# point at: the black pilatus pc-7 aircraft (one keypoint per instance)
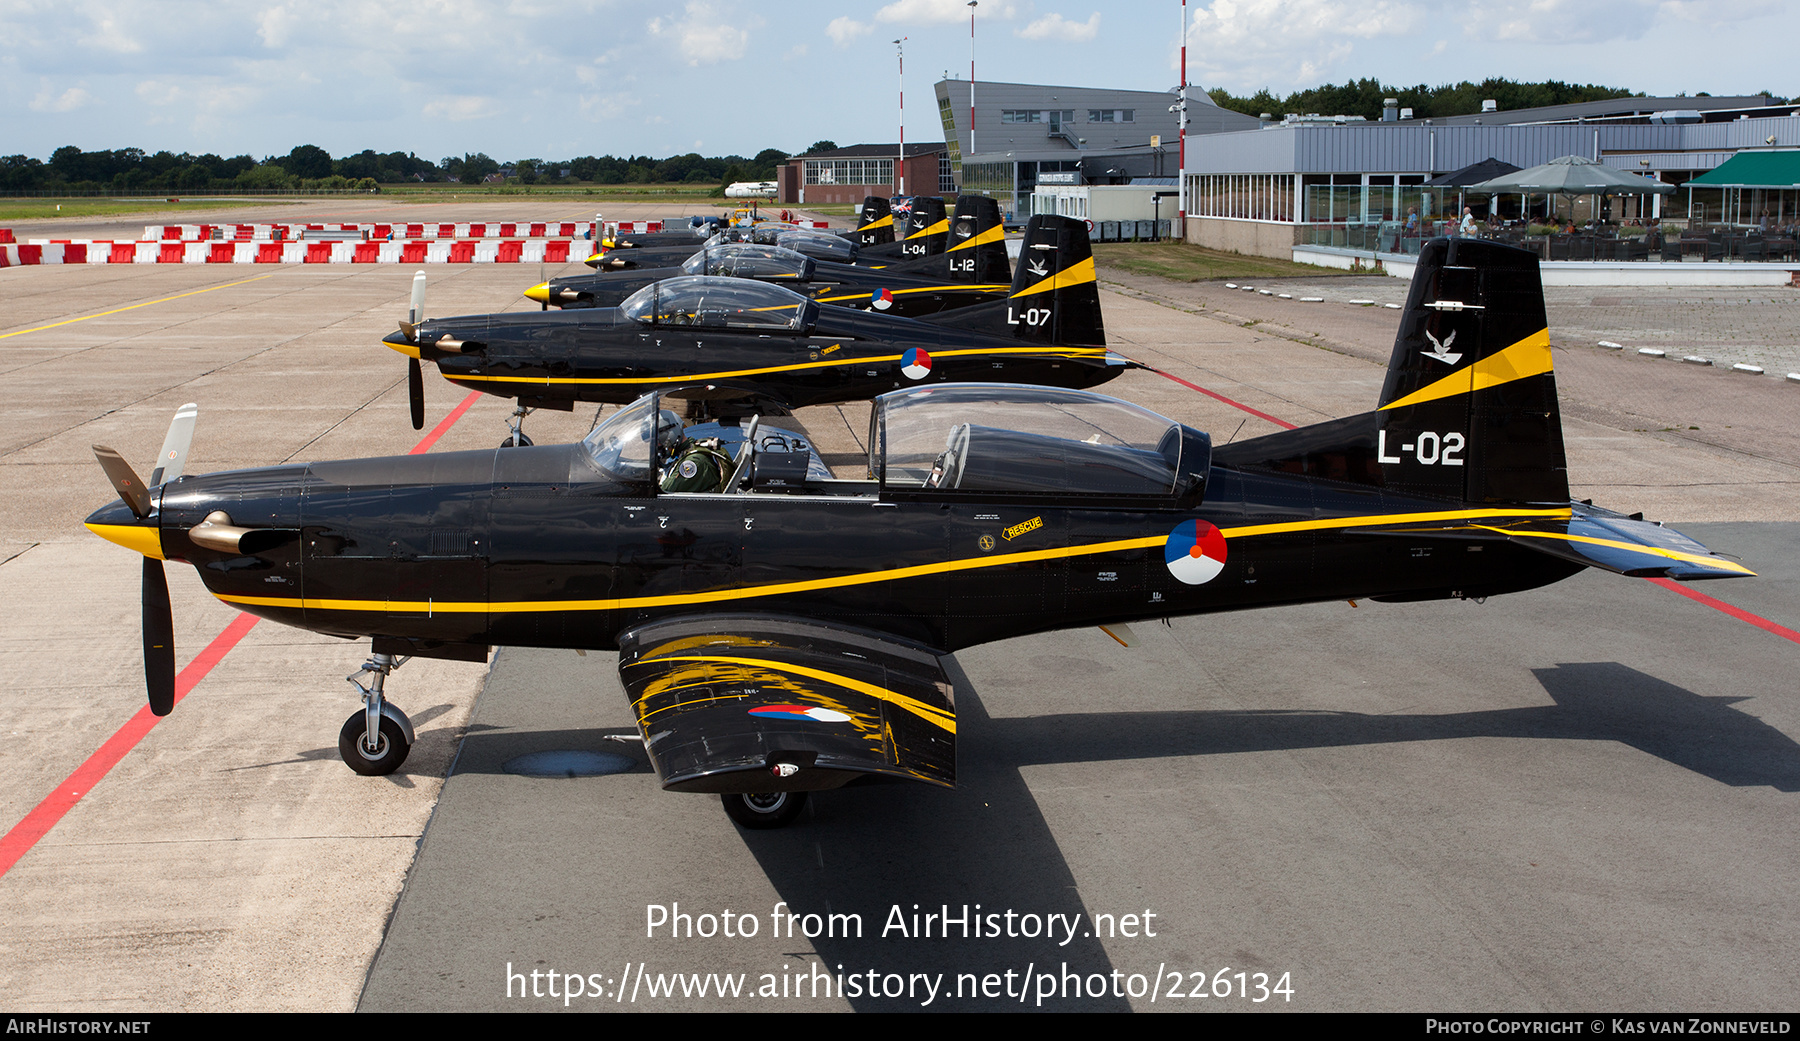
(736, 337)
(785, 635)
(925, 226)
(973, 270)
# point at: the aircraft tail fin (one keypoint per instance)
(1054, 298)
(875, 222)
(975, 246)
(1468, 411)
(927, 228)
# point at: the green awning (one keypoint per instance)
(1755, 170)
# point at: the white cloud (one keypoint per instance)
(937, 12)
(274, 25)
(459, 108)
(1257, 43)
(1559, 21)
(68, 101)
(703, 36)
(1056, 27)
(844, 29)
(109, 35)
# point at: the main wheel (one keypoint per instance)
(764, 809)
(523, 442)
(384, 759)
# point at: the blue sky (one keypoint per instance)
(536, 78)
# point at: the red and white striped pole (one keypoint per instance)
(900, 165)
(972, 78)
(1182, 132)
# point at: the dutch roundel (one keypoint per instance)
(800, 712)
(1195, 552)
(881, 299)
(916, 363)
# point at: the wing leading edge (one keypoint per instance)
(758, 703)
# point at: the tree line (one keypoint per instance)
(1363, 97)
(312, 167)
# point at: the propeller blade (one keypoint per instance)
(173, 458)
(416, 313)
(410, 331)
(415, 393)
(124, 481)
(543, 305)
(159, 639)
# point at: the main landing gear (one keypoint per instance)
(517, 438)
(764, 809)
(376, 740)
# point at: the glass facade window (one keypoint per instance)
(1112, 115)
(952, 145)
(1035, 115)
(1264, 197)
(849, 171)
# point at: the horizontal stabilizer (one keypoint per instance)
(756, 703)
(1592, 537)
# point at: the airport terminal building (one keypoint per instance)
(1306, 180)
(1005, 139)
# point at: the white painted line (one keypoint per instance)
(1651, 352)
(1753, 369)
(1614, 346)
(1795, 376)
(1697, 360)
(1285, 296)
(1265, 292)
(1231, 285)
(1392, 307)
(1312, 299)
(1363, 303)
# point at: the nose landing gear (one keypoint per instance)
(375, 741)
(517, 438)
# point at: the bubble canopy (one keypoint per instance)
(720, 302)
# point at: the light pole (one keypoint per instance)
(1181, 161)
(971, 79)
(900, 164)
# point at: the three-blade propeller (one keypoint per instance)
(159, 622)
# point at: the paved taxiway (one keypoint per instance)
(1571, 798)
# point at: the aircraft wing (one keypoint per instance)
(1596, 537)
(760, 703)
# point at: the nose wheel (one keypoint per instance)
(375, 741)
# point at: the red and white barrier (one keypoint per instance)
(464, 230)
(423, 251)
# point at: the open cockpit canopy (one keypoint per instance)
(1030, 441)
(721, 303)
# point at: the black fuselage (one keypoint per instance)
(537, 547)
(598, 355)
(909, 294)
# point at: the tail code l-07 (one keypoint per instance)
(1032, 316)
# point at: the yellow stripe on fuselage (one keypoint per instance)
(1060, 352)
(861, 578)
(1528, 357)
(959, 287)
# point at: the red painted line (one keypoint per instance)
(47, 813)
(1736, 612)
(441, 429)
(1282, 423)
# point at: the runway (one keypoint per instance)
(1570, 799)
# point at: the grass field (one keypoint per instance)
(1187, 263)
(44, 209)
